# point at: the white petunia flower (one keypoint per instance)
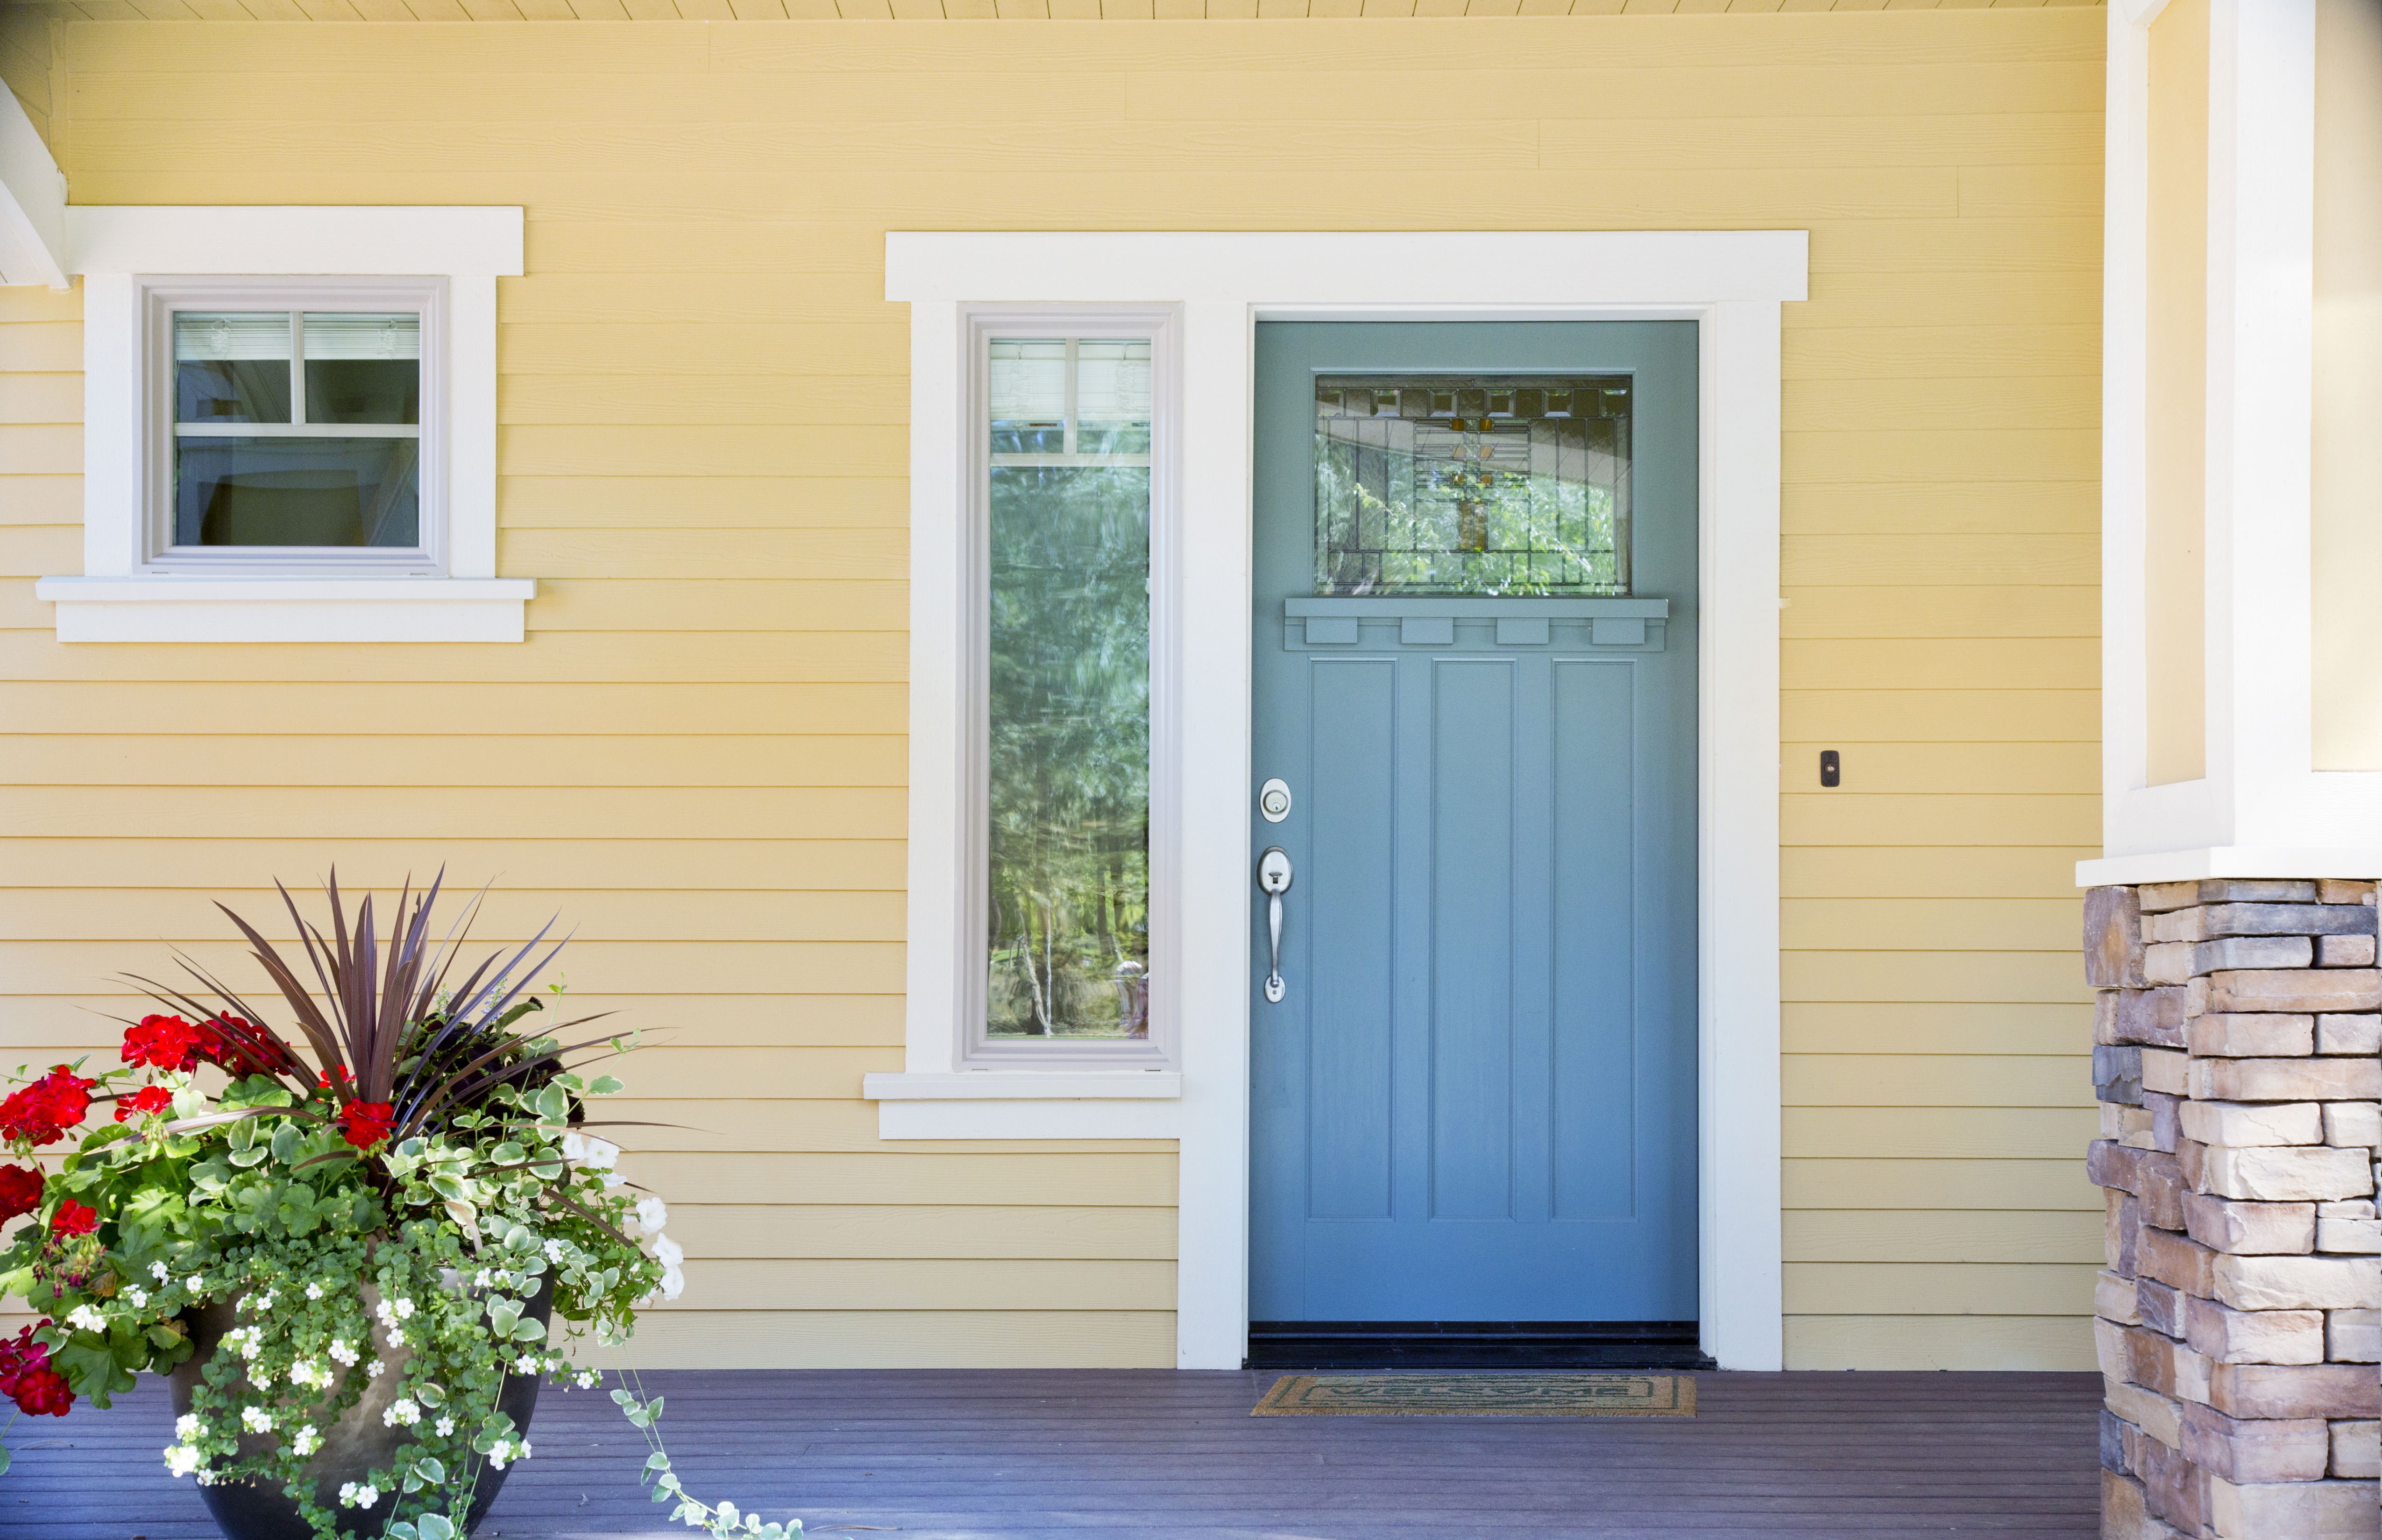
(652, 1213)
(186, 1427)
(306, 1441)
(255, 1419)
(181, 1459)
(673, 1283)
(668, 1252)
(82, 1317)
(401, 1414)
(596, 1154)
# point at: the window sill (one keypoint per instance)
(1056, 1104)
(172, 607)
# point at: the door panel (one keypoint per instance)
(1476, 1101)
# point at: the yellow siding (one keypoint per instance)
(698, 755)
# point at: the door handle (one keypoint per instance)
(1273, 880)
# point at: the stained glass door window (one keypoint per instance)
(1472, 484)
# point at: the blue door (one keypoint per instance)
(1476, 681)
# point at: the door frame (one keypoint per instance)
(1730, 282)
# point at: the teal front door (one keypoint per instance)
(1475, 680)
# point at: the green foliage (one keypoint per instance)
(347, 1246)
(1069, 917)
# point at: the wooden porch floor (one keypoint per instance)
(1154, 1455)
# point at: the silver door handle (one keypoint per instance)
(1273, 879)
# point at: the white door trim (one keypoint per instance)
(1732, 283)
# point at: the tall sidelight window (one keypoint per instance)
(1068, 703)
(293, 435)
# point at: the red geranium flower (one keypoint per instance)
(40, 1113)
(153, 1098)
(365, 1124)
(240, 1047)
(73, 1218)
(43, 1393)
(163, 1043)
(20, 1191)
(26, 1378)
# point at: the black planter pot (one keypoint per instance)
(353, 1448)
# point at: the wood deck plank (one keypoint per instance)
(1153, 1455)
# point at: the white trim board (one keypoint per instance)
(116, 249)
(1732, 283)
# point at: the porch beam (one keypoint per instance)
(32, 202)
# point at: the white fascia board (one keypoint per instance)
(175, 609)
(2232, 861)
(1399, 272)
(451, 241)
(32, 201)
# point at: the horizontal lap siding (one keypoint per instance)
(697, 758)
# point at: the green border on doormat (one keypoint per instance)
(1479, 1396)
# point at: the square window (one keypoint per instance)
(294, 427)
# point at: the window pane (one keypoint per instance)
(328, 492)
(231, 366)
(1069, 901)
(1029, 397)
(363, 368)
(1473, 484)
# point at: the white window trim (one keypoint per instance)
(966, 1000)
(117, 597)
(1732, 283)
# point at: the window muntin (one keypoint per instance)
(1472, 484)
(295, 434)
(1068, 708)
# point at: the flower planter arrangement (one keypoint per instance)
(355, 1251)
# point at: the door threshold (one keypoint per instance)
(1603, 1346)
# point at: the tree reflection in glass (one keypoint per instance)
(1472, 484)
(1068, 917)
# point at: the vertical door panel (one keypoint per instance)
(1468, 910)
(1352, 713)
(1595, 1076)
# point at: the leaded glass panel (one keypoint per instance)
(1511, 484)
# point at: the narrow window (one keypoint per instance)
(1068, 711)
(294, 435)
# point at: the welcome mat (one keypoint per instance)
(1479, 1395)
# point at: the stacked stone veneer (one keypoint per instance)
(2238, 1060)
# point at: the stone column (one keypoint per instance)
(2238, 1060)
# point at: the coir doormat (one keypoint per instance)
(1479, 1395)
